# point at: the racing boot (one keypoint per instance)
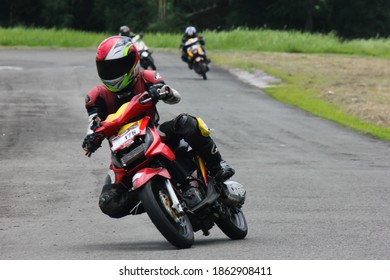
(214, 162)
(197, 134)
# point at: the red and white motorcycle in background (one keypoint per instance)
(146, 59)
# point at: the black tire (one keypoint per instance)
(203, 68)
(150, 63)
(155, 200)
(233, 224)
(199, 69)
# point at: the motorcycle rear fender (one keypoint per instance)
(144, 175)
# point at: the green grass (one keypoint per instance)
(238, 39)
(52, 38)
(294, 42)
(306, 100)
(293, 93)
(294, 90)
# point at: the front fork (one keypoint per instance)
(175, 201)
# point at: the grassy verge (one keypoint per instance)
(353, 91)
(52, 38)
(347, 82)
(238, 40)
(294, 42)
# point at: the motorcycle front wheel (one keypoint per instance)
(158, 205)
(200, 69)
(233, 224)
(204, 68)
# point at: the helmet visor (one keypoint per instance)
(115, 68)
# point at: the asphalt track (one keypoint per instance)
(316, 190)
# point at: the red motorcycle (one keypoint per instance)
(173, 184)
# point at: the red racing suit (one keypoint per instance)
(100, 102)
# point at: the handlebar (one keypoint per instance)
(161, 95)
(144, 101)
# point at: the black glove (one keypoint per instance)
(96, 123)
(154, 92)
(92, 142)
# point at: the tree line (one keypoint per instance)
(346, 18)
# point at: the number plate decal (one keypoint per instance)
(124, 139)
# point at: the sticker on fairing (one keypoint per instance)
(125, 139)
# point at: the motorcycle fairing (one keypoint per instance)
(118, 113)
(125, 113)
(144, 175)
(191, 41)
(159, 148)
(119, 174)
(154, 145)
(195, 50)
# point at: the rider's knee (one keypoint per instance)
(189, 126)
(185, 124)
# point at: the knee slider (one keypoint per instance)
(204, 130)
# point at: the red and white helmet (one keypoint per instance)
(117, 63)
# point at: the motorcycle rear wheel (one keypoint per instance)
(233, 225)
(157, 203)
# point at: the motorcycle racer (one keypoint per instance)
(190, 33)
(147, 61)
(118, 66)
(125, 30)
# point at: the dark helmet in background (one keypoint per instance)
(124, 31)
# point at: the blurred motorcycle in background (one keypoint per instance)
(146, 59)
(197, 57)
